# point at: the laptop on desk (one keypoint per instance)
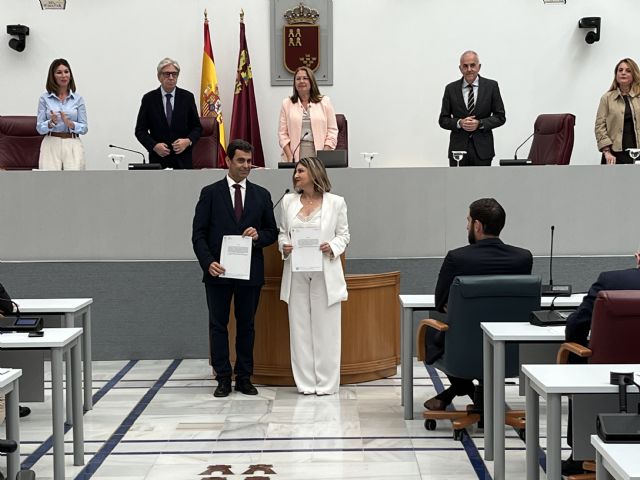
(329, 158)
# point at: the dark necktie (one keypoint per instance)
(471, 101)
(168, 108)
(237, 208)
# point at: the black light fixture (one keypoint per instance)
(20, 31)
(591, 23)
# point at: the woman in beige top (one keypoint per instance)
(617, 127)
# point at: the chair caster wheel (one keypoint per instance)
(457, 435)
(522, 434)
(430, 424)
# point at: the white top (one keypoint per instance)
(522, 332)
(52, 305)
(428, 301)
(620, 459)
(8, 375)
(570, 379)
(53, 338)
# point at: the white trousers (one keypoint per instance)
(314, 335)
(61, 154)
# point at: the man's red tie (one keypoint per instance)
(238, 201)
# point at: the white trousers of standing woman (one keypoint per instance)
(61, 154)
(314, 332)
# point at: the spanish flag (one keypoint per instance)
(210, 104)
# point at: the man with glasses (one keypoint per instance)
(168, 124)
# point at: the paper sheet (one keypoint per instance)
(235, 257)
(306, 255)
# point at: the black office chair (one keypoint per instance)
(472, 300)
(9, 446)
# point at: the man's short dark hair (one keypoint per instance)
(238, 144)
(490, 214)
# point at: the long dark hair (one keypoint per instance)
(314, 94)
(52, 86)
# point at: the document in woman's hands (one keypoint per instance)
(235, 257)
(306, 255)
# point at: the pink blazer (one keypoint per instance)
(323, 124)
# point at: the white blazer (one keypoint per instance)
(334, 229)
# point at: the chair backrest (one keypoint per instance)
(615, 327)
(485, 298)
(552, 139)
(19, 143)
(343, 134)
(205, 151)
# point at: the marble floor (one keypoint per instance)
(159, 420)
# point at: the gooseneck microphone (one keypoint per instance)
(144, 160)
(293, 155)
(552, 290)
(515, 156)
(280, 199)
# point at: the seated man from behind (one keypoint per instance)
(486, 254)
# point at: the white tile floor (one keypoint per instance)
(184, 432)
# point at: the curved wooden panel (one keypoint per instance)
(370, 328)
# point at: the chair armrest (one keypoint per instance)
(571, 347)
(421, 347)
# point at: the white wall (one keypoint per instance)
(392, 59)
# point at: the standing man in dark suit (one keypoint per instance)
(168, 124)
(486, 254)
(233, 206)
(471, 108)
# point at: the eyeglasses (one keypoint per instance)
(170, 74)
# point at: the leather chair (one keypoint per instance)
(472, 300)
(343, 134)
(19, 143)
(205, 151)
(615, 330)
(552, 139)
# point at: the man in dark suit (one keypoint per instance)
(471, 108)
(168, 124)
(233, 206)
(579, 326)
(579, 322)
(486, 254)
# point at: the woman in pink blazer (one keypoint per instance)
(314, 296)
(307, 119)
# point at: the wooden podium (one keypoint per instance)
(370, 328)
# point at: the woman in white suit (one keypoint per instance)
(314, 297)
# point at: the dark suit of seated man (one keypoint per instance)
(168, 124)
(486, 254)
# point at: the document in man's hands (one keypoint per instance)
(235, 257)
(306, 255)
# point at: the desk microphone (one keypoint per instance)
(552, 290)
(144, 160)
(292, 163)
(278, 202)
(515, 160)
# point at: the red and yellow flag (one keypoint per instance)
(210, 103)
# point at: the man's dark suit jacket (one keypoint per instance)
(489, 109)
(5, 301)
(485, 257)
(215, 217)
(579, 322)
(152, 126)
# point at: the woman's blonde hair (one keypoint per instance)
(635, 73)
(317, 172)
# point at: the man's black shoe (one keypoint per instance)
(24, 411)
(571, 467)
(245, 386)
(224, 387)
